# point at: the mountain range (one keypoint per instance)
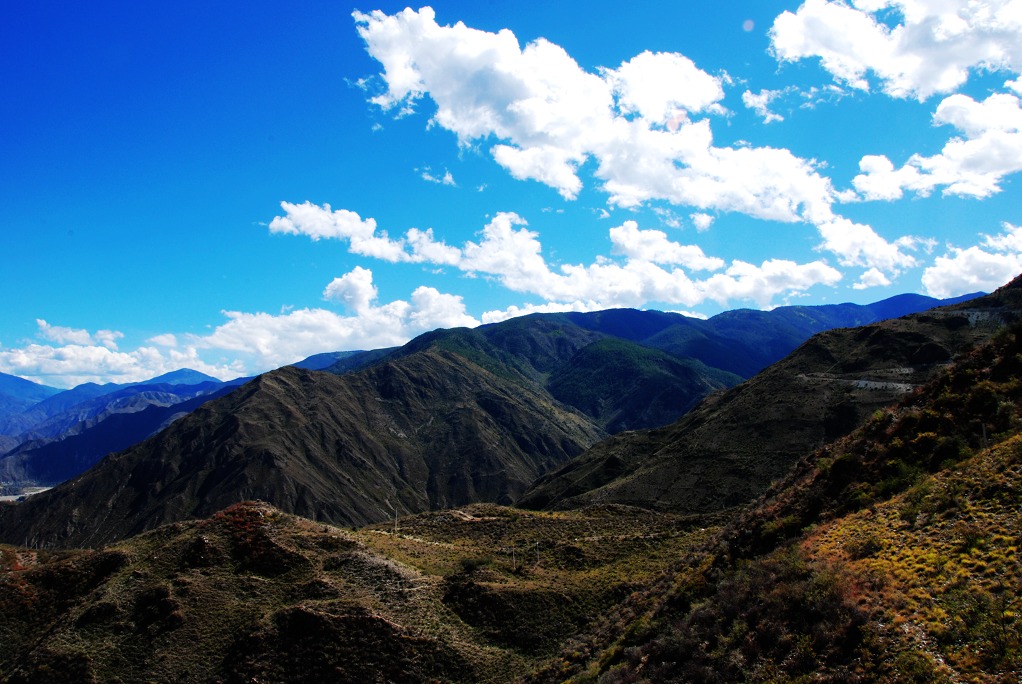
(466, 416)
(848, 514)
(63, 434)
(731, 448)
(649, 369)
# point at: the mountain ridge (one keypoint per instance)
(728, 449)
(425, 431)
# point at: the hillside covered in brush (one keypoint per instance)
(890, 555)
(886, 554)
(624, 369)
(479, 594)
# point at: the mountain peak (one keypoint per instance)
(182, 376)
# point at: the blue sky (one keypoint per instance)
(235, 186)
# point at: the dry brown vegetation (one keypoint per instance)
(477, 594)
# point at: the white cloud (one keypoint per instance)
(931, 48)
(548, 116)
(655, 269)
(256, 342)
(71, 364)
(484, 83)
(667, 217)
(354, 289)
(425, 248)
(987, 266)
(761, 284)
(446, 179)
(431, 309)
(268, 341)
(972, 166)
(656, 86)
(63, 335)
(857, 244)
(872, 278)
(164, 340)
(320, 222)
(638, 123)
(654, 247)
(760, 103)
(701, 221)
(548, 164)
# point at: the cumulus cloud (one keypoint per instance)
(256, 342)
(986, 266)
(930, 48)
(355, 289)
(654, 247)
(872, 278)
(857, 244)
(269, 340)
(760, 103)
(661, 86)
(972, 165)
(164, 340)
(654, 268)
(320, 222)
(701, 221)
(763, 283)
(76, 356)
(549, 116)
(425, 248)
(64, 335)
(645, 123)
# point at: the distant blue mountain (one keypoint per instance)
(87, 400)
(50, 462)
(745, 341)
(324, 360)
(572, 354)
(18, 394)
(183, 376)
